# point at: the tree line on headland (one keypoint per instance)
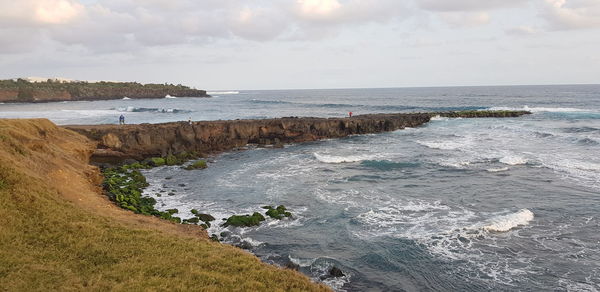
(21, 90)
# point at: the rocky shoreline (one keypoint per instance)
(118, 143)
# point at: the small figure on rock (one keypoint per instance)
(122, 120)
(350, 114)
(190, 120)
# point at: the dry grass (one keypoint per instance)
(58, 233)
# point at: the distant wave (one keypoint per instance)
(222, 92)
(442, 145)
(502, 169)
(340, 159)
(126, 98)
(169, 96)
(132, 109)
(259, 101)
(513, 160)
(507, 222)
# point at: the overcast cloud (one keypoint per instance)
(303, 43)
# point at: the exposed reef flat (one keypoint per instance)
(120, 142)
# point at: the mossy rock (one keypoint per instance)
(171, 194)
(157, 161)
(277, 213)
(244, 220)
(173, 160)
(205, 217)
(200, 164)
(194, 211)
(193, 220)
(214, 238)
(172, 211)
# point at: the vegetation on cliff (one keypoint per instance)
(57, 232)
(21, 90)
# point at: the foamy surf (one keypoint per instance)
(443, 145)
(507, 222)
(502, 169)
(513, 160)
(340, 159)
(222, 92)
(169, 96)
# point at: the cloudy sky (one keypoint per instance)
(260, 44)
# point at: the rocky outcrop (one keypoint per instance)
(119, 142)
(23, 91)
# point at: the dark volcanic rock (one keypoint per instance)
(119, 142)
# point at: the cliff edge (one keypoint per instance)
(59, 232)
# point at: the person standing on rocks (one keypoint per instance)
(122, 120)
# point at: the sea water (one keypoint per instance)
(457, 204)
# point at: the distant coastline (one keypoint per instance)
(51, 90)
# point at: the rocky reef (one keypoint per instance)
(117, 143)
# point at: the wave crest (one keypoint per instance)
(339, 159)
(507, 222)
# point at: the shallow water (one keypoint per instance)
(458, 204)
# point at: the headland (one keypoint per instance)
(24, 91)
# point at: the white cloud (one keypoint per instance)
(572, 14)
(467, 5)
(465, 19)
(523, 30)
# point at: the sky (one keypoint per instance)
(289, 44)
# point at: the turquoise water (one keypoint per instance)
(457, 204)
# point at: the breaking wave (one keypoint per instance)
(513, 160)
(507, 222)
(222, 92)
(340, 159)
(132, 109)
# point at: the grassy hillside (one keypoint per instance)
(58, 233)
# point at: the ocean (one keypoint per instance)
(454, 205)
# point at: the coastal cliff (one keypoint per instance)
(23, 91)
(59, 232)
(120, 142)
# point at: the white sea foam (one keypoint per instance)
(513, 160)
(222, 92)
(302, 262)
(497, 169)
(443, 145)
(126, 98)
(340, 159)
(439, 118)
(169, 96)
(507, 222)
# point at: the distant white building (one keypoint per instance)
(60, 79)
